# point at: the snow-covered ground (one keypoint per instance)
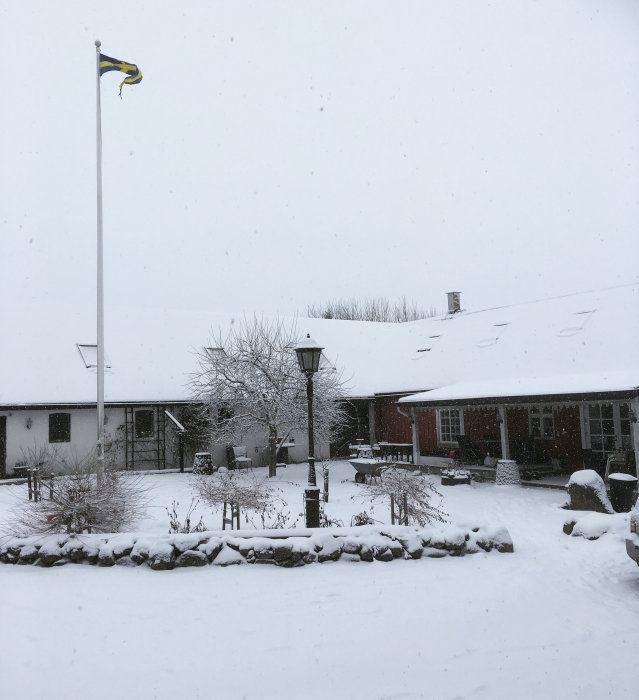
(559, 618)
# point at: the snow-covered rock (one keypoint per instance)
(587, 491)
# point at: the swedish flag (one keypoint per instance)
(134, 75)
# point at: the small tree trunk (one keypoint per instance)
(272, 451)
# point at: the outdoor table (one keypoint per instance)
(401, 451)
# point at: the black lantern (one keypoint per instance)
(308, 355)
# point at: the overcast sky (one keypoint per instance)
(282, 153)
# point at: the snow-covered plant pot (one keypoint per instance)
(453, 477)
(203, 464)
(507, 473)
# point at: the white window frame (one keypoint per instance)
(440, 436)
(541, 412)
(618, 438)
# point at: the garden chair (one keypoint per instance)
(238, 457)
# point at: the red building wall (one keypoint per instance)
(392, 426)
(482, 427)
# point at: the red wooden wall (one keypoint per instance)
(483, 424)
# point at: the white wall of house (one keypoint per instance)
(28, 432)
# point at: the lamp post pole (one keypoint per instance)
(311, 495)
(308, 356)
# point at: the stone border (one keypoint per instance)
(286, 548)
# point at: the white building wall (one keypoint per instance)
(28, 432)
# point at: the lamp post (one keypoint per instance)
(308, 357)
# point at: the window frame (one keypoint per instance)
(608, 441)
(59, 433)
(451, 433)
(539, 413)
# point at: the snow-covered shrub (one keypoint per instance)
(75, 502)
(255, 497)
(176, 526)
(410, 496)
(362, 519)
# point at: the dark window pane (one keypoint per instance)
(60, 427)
(594, 412)
(624, 410)
(608, 427)
(596, 442)
(144, 424)
(610, 443)
(606, 411)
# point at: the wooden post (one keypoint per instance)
(326, 485)
(29, 484)
(405, 499)
(503, 431)
(371, 422)
(392, 509)
(415, 434)
(51, 486)
(181, 450)
(224, 517)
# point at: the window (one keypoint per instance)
(144, 423)
(541, 422)
(449, 424)
(89, 355)
(609, 428)
(59, 427)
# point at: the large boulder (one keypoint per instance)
(587, 491)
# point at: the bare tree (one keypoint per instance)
(409, 496)
(249, 380)
(377, 309)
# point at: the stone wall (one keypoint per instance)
(287, 548)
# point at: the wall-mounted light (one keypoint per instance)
(29, 423)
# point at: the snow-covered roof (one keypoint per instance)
(575, 344)
(483, 391)
(151, 353)
(572, 344)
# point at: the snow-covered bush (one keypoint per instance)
(75, 502)
(255, 497)
(409, 495)
(177, 526)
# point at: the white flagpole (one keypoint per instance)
(100, 282)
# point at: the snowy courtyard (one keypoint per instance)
(559, 618)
